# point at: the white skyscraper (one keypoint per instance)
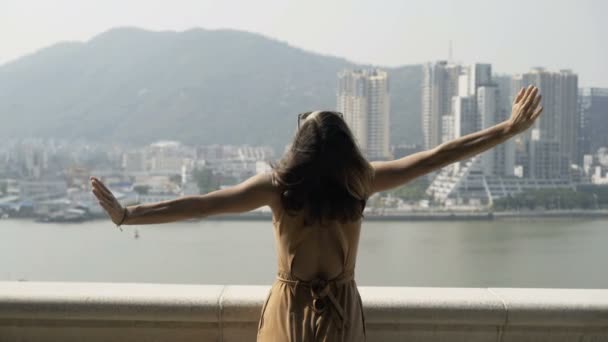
(440, 82)
(363, 98)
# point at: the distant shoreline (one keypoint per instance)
(445, 216)
(410, 216)
(552, 214)
(485, 216)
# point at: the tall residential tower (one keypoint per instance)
(363, 98)
(551, 144)
(439, 84)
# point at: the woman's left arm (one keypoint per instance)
(253, 193)
(390, 174)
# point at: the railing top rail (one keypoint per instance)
(236, 303)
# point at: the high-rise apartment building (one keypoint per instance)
(464, 116)
(440, 82)
(505, 152)
(551, 144)
(500, 160)
(363, 98)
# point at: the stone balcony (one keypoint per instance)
(36, 311)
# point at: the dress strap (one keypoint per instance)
(321, 293)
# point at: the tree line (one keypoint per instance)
(588, 197)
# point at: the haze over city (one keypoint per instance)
(512, 35)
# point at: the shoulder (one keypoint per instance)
(266, 185)
(262, 181)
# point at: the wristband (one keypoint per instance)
(124, 217)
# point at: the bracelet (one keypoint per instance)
(124, 217)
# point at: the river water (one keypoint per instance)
(559, 253)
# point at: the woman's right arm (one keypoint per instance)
(253, 193)
(394, 173)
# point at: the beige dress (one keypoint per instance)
(314, 297)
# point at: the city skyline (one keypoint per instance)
(460, 99)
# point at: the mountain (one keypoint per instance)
(197, 86)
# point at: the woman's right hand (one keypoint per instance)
(526, 109)
(108, 202)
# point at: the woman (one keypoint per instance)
(317, 194)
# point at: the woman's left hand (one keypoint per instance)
(526, 109)
(108, 202)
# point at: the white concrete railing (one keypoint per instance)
(31, 311)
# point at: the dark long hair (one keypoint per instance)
(323, 172)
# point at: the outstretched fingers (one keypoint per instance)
(530, 96)
(526, 95)
(99, 186)
(535, 104)
(537, 113)
(519, 96)
(102, 197)
(96, 181)
(101, 191)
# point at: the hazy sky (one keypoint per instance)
(513, 35)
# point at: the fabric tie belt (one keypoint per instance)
(321, 293)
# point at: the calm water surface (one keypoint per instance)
(514, 253)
